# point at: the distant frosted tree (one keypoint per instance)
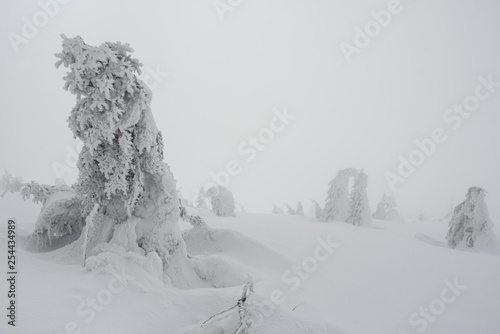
(471, 226)
(196, 221)
(300, 209)
(318, 211)
(289, 210)
(200, 201)
(122, 178)
(240, 208)
(359, 211)
(222, 201)
(277, 210)
(387, 209)
(337, 199)
(382, 208)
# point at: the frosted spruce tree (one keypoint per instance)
(200, 201)
(318, 211)
(300, 209)
(359, 208)
(222, 201)
(126, 192)
(289, 210)
(337, 199)
(471, 226)
(387, 209)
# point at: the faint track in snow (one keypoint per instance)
(425, 238)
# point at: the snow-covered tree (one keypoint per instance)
(318, 211)
(300, 209)
(246, 311)
(122, 147)
(222, 201)
(200, 201)
(471, 226)
(277, 210)
(122, 179)
(359, 209)
(337, 200)
(289, 210)
(387, 209)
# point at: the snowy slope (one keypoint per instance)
(351, 280)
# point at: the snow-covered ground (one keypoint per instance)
(310, 277)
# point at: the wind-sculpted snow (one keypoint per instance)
(259, 259)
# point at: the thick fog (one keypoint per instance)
(274, 97)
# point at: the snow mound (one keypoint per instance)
(58, 224)
(235, 249)
(146, 272)
(220, 272)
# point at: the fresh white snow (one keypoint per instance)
(352, 280)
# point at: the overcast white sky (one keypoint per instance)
(226, 77)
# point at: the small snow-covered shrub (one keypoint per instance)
(387, 209)
(277, 210)
(300, 209)
(60, 221)
(318, 211)
(289, 210)
(243, 307)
